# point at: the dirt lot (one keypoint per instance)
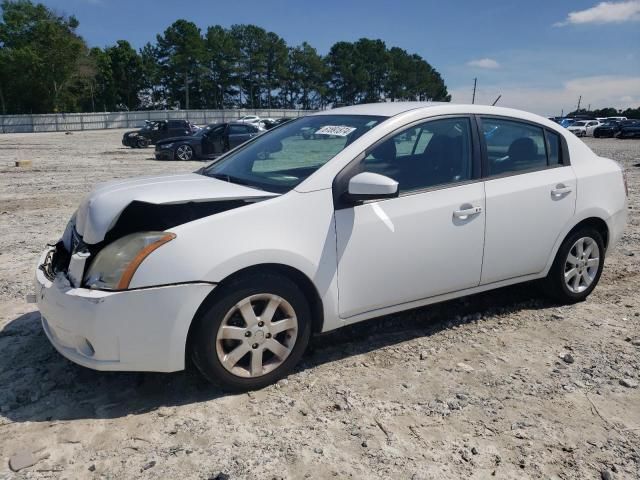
(501, 384)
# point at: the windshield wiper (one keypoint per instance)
(231, 179)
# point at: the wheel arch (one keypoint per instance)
(301, 280)
(595, 222)
(592, 219)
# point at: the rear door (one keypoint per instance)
(530, 196)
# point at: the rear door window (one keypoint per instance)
(513, 146)
(238, 130)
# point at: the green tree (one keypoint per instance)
(346, 80)
(126, 74)
(305, 78)
(180, 55)
(251, 41)
(152, 93)
(101, 95)
(221, 60)
(373, 64)
(275, 67)
(41, 54)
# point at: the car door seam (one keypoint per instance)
(484, 234)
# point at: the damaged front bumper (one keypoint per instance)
(132, 330)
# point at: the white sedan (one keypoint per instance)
(388, 207)
(584, 128)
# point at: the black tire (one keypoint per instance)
(209, 320)
(142, 142)
(555, 285)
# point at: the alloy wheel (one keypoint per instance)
(184, 152)
(257, 335)
(582, 264)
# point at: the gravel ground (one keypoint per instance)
(500, 384)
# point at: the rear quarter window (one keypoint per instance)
(554, 148)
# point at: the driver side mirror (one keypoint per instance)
(371, 186)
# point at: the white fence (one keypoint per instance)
(60, 122)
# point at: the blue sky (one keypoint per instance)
(539, 55)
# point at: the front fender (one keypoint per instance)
(295, 230)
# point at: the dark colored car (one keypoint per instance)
(208, 142)
(269, 124)
(629, 130)
(608, 129)
(153, 131)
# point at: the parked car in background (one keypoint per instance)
(608, 129)
(404, 205)
(157, 130)
(630, 130)
(566, 122)
(583, 128)
(253, 119)
(266, 123)
(208, 142)
(269, 123)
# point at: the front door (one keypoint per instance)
(424, 243)
(213, 141)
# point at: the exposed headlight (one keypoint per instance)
(115, 264)
(166, 145)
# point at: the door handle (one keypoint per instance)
(561, 189)
(467, 212)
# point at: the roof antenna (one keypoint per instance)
(475, 82)
(496, 100)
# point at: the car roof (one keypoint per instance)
(385, 109)
(393, 109)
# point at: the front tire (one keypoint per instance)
(253, 333)
(577, 267)
(184, 153)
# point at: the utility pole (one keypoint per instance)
(475, 82)
(579, 100)
(186, 90)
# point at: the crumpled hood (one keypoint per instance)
(99, 210)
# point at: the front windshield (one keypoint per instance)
(280, 159)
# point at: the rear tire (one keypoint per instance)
(577, 267)
(253, 333)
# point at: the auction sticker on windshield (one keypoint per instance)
(338, 130)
